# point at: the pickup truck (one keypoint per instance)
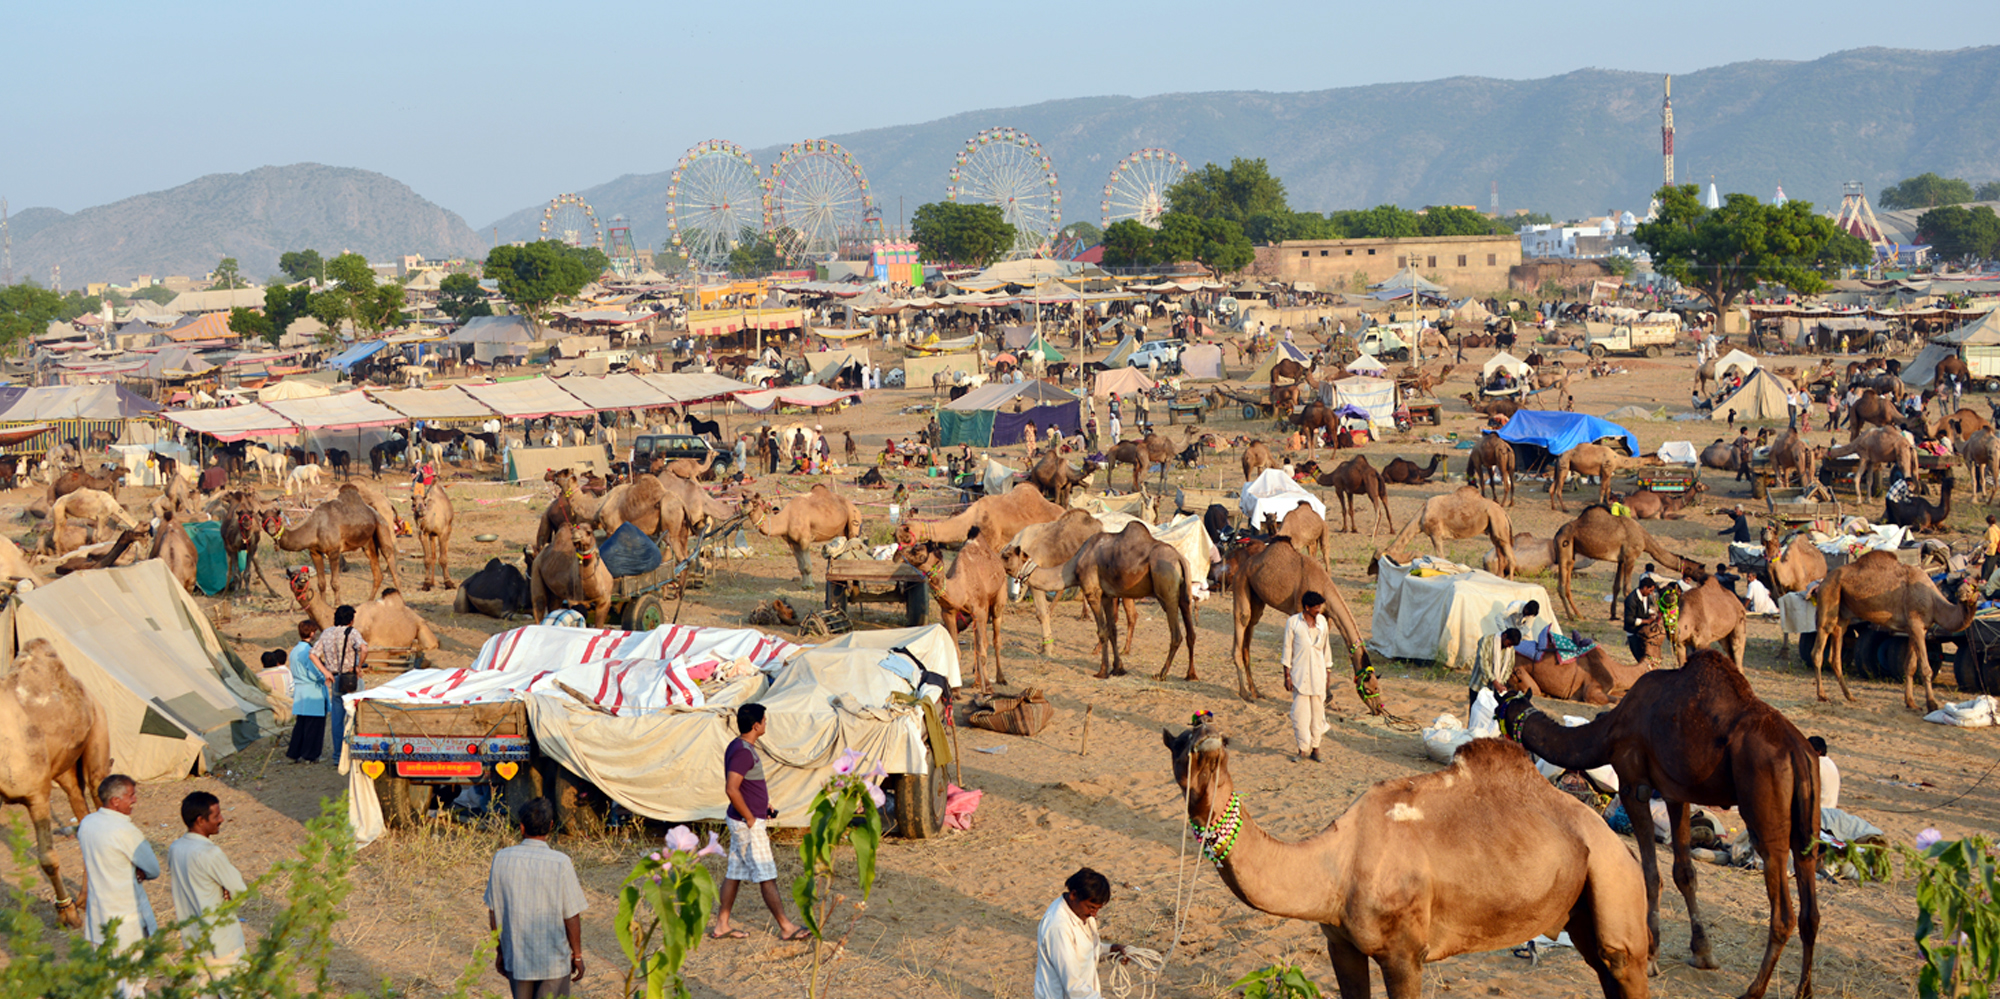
(646, 447)
(1629, 338)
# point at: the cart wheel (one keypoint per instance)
(1993, 385)
(644, 613)
(916, 604)
(836, 596)
(525, 787)
(1597, 350)
(920, 803)
(563, 789)
(403, 802)
(1249, 411)
(1653, 351)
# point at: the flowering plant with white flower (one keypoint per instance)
(662, 909)
(848, 809)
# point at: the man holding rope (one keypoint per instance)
(1067, 947)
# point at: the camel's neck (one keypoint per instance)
(1292, 880)
(1581, 747)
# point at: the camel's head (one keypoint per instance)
(905, 534)
(1514, 706)
(1019, 564)
(1200, 753)
(585, 542)
(274, 521)
(300, 580)
(1968, 590)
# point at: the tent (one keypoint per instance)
(1762, 397)
(983, 416)
(1367, 365)
(614, 392)
(447, 403)
(1736, 360)
(809, 396)
(1273, 494)
(1123, 381)
(346, 411)
(1441, 618)
(356, 354)
(176, 699)
(1408, 279)
(1122, 352)
(1559, 432)
(1514, 366)
(1285, 350)
(293, 388)
(1375, 396)
(494, 330)
(527, 399)
(1921, 372)
(1468, 313)
(78, 402)
(685, 387)
(1202, 360)
(233, 423)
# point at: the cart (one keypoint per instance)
(1668, 481)
(1197, 409)
(638, 600)
(1254, 407)
(1792, 508)
(1430, 412)
(870, 581)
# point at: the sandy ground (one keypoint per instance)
(956, 916)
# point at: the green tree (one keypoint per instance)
(973, 235)
(1989, 191)
(461, 298)
(1086, 234)
(156, 293)
(1381, 222)
(1925, 190)
(1725, 252)
(26, 310)
(1224, 247)
(1129, 243)
(1957, 232)
(540, 274)
(228, 275)
(1236, 192)
(1452, 220)
(251, 323)
(668, 261)
(1268, 228)
(756, 254)
(301, 265)
(76, 303)
(353, 273)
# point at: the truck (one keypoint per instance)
(1634, 338)
(646, 447)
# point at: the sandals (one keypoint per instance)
(731, 935)
(800, 933)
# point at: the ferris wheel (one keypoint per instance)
(818, 200)
(568, 220)
(1006, 167)
(1138, 187)
(713, 196)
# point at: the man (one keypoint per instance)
(203, 879)
(1829, 774)
(116, 857)
(1067, 947)
(1726, 579)
(534, 899)
(1992, 560)
(1742, 448)
(1307, 657)
(1643, 631)
(749, 818)
(1738, 530)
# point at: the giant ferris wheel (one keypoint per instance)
(1007, 167)
(1138, 187)
(568, 220)
(715, 194)
(818, 200)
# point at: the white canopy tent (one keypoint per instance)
(528, 399)
(1513, 365)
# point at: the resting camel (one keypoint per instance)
(1056, 479)
(85, 504)
(820, 515)
(1699, 736)
(1879, 447)
(688, 468)
(172, 545)
(431, 509)
(104, 480)
(1424, 867)
(1981, 453)
(14, 565)
(999, 518)
(1276, 575)
(975, 586)
(1038, 559)
(1461, 513)
(1723, 457)
(1587, 459)
(1404, 472)
(1491, 407)
(1141, 454)
(1491, 464)
(1878, 590)
(51, 732)
(562, 511)
(1532, 556)
(1353, 477)
(1591, 678)
(1709, 615)
(567, 572)
(1130, 565)
(1919, 514)
(1603, 535)
(1257, 458)
(335, 527)
(387, 624)
(1649, 505)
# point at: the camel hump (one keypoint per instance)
(1493, 756)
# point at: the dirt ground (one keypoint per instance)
(956, 916)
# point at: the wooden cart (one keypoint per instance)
(638, 601)
(1431, 412)
(1787, 507)
(1668, 481)
(871, 581)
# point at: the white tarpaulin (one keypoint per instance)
(1274, 494)
(447, 403)
(810, 396)
(1367, 365)
(346, 411)
(1441, 618)
(1737, 361)
(232, 423)
(529, 399)
(1374, 396)
(1679, 453)
(615, 392)
(1514, 365)
(695, 386)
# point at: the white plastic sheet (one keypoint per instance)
(1274, 494)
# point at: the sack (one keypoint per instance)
(629, 552)
(346, 683)
(1027, 714)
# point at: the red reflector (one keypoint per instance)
(472, 748)
(407, 748)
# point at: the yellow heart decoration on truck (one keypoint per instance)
(373, 768)
(506, 770)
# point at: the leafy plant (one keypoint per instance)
(848, 809)
(1278, 981)
(1958, 907)
(678, 893)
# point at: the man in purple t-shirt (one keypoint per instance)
(749, 816)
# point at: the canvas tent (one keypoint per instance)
(809, 396)
(293, 388)
(614, 392)
(1557, 433)
(527, 399)
(1202, 360)
(1408, 279)
(1367, 364)
(1513, 365)
(1285, 350)
(1273, 494)
(232, 423)
(1123, 381)
(447, 403)
(1736, 360)
(984, 416)
(78, 402)
(1374, 396)
(1762, 397)
(1121, 353)
(346, 411)
(1441, 618)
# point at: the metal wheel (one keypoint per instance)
(1597, 350)
(644, 613)
(1653, 351)
(1249, 411)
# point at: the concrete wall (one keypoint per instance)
(1465, 264)
(917, 370)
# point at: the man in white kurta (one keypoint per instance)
(116, 857)
(1307, 657)
(203, 879)
(1067, 947)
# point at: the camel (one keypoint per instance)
(387, 624)
(1404, 472)
(85, 504)
(14, 565)
(1793, 456)
(1871, 408)
(698, 506)
(1277, 575)
(1878, 590)
(1257, 458)
(1649, 505)
(430, 507)
(1315, 420)
(1708, 615)
(1141, 454)
(1879, 447)
(1491, 464)
(688, 468)
(1591, 678)
(1589, 459)
(561, 512)
(1919, 514)
(567, 571)
(107, 557)
(999, 519)
(1722, 457)
(372, 498)
(51, 732)
(335, 527)
(1981, 453)
(1700, 736)
(1056, 479)
(820, 515)
(645, 504)
(172, 545)
(1461, 513)
(1129, 565)
(1491, 407)
(1603, 535)
(1038, 559)
(1801, 565)
(1355, 477)
(1960, 425)
(105, 480)
(975, 586)
(1305, 527)
(1476, 857)
(241, 527)
(1532, 556)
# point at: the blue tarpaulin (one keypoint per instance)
(355, 354)
(1559, 432)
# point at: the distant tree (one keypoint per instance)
(756, 254)
(461, 298)
(949, 232)
(1725, 252)
(1236, 192)
(381, 308)
(1524, 220)
(352, 271)
(76, 303)
(1269, 228)
(1925, 190)
(26, 310)
(156, 293)
(1452, 220)
(228, 276)
(668, 261)
(1218, 243)
(540, 274)
(1989, 191)
(1381, 222)
(1956, 232)
(283, 305)
(250, 323)
(301, 265)
(1086, 234)
(1129, 243)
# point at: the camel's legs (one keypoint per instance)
(1917, 659)
(1621, 972)
(1839, 638)
(1042, 614)
(805, 567)
(45, 852)
(1350, 966)
(1805, 870)
(1104, 609)
(1637, 799)
(1677, 820)
(1246, 680)
(1402, 970)
(993, 621)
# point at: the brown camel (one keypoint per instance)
(1708, 615)
(1056, 479)
(1981, 453)
(645, 504)
(1257, 458)
(1919, 514)
(1277, 575)
(335, 527)
(106, 479)
(1404, 472)
(567, 572)
(1649, 505)
(562, 511)
(85, 505)
(1461, 513)
(975, 586)
(1603, 535)
(1591, 678)
(999, 519)
(1356, 477)
(1722, 457)
(389, 626)
(1491, 464)
(1532, 556)
(1878, 590)
(1491, 407)
(1131, 565)
(372, 498)
(1589, 459)
(1871, 408)
(1960, 425)
(1038, 559)
(172, 545)
(1880, 447)
(1315, 421)
(431, 509)
(1801, 565)
(1141, 454)
(698, 507)
(51, 732)
(1305, 527)
(1699, 736)
(688, 468)
(242, 524)
(819, 515)
(1794, 457)
(1476, 857)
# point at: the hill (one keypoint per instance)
(1572, 145)
(251, 216)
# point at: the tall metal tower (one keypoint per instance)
(6, 248)
(1667, 131)
(1496, 198)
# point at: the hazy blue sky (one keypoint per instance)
(490, 107)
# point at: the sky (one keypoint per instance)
(492, 107)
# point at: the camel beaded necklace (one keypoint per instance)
(1218, 838)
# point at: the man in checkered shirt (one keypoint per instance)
(749, 818)
(534, 900)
